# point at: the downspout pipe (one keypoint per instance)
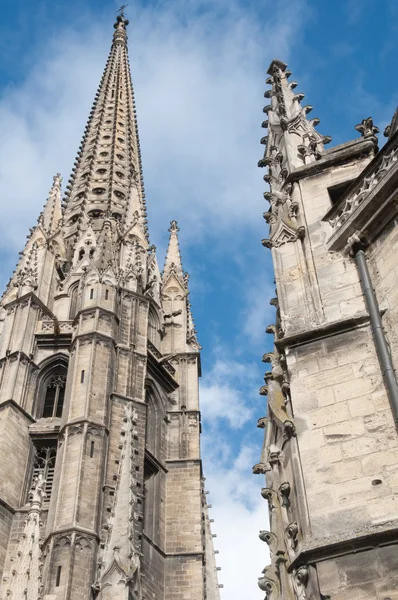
(379, 337)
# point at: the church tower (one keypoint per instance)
(330, 454)
(101, 486)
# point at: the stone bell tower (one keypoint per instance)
(330, 453)
(101, 486)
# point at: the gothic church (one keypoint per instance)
(101, 486)
(330, 453)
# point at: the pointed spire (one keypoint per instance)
(292, 140)
(173, 257)
(106, 181)
(51, 216)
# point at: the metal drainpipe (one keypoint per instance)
(380, 341)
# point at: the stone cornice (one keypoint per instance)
(17, 407)
(333, 157)
(328, 549)
(76, 422)
(8, 507)
(18, 354)
(370, 202)
(321, 332)
(35, 300)
(159, 372)
(70, 530)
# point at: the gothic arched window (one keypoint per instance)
(44, 452)
(54, 396)
(154, 474)
(73, 300)
(51, 385)
(153, 327)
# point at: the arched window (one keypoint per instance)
(44, 452)
(54, 398)
(154, 474)
(51, 385)
(73, 300)
(153, 327)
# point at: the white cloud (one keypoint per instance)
(259, 313)
(198, 69)
(199, 85)
(239, 513)
(228, 389)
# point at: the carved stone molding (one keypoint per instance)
(269, 583)
(383, 165)
(269, 538)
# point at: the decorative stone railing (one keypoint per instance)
(366, 198)
(49, 325)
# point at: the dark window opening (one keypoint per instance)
(91, 294)
(106, 294)
(54, 398)
(337, 191)
(92, 449)
(73, 301)
(81, 253)
(82, 377)
(58, 577)
(45, 453)
(151, 499)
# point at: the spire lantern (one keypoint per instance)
(120, 34)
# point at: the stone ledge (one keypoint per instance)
(17, 407)
(329, 548)
(321, 332)
(335, 156)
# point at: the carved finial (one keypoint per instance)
(366, 128)
(173, 226)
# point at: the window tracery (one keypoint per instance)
(54, 398)
(45, 453)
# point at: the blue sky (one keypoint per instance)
(198, 69)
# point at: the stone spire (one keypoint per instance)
(176, 305)
(51, 216)
(32, 262)
(292, 142)
(173, 257)
(292, 139)
(26, 571)
(106, 181)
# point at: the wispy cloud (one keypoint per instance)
(198, 68)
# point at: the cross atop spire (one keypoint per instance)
(106, 181)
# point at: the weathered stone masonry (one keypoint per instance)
(101, 483)
(330, 452)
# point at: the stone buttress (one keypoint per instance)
(101, 487)
(330, 454)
